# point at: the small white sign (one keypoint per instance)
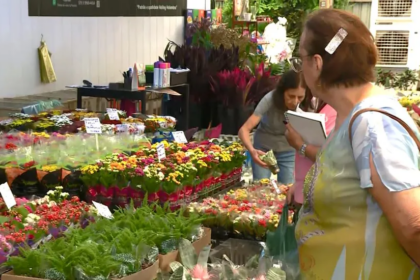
(179, 137)
(122, 127)
(81, 110)
(161, 151)
(7, 195)
(274, 183)
(103, 210)
(6, 122)
(93, 125)
(113, 114)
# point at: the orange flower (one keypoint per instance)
(116, 166)
(215, 148)
(132, 160)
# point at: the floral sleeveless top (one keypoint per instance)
(342, 233)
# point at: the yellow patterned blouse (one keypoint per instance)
(342, 233)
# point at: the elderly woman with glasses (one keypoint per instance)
(360, 217)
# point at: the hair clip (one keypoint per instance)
(336, 41)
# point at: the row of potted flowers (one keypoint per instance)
(188, 172)
(133, 243)
(69, 121)
(31, 221)
(243, 213)
(33, 163)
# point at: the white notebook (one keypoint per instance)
(311, 126)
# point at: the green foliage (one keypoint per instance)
(403, 81)
(406, 79)
(110, 248)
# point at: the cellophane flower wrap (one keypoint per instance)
(245, 212)
(270, 159)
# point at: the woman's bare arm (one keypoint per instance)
(245, 131)
(402, 210)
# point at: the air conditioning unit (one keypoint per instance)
(394, 11)
(398, 45)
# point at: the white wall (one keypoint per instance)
(91, 48)
(199, 4)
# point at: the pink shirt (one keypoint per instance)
(303, 164)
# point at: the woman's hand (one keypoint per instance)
(290, 195)
(294, 138)
(255, 154)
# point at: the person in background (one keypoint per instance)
(270, 133)
(360, 218)
(305, 158)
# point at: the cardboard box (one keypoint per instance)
(166, 260)
(149, 273)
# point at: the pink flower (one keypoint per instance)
(199, 272)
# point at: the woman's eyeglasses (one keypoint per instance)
(296, 64)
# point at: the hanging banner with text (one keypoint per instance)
(107, 8)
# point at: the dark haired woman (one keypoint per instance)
(361, 213)
(270, 133)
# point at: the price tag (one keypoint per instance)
(122, 128)
(274, 183)
(161, 151)
(113, 114)
(103, 210)
(6, 122)
(7, 195)
(93, 125)
(179, 137)
(140, 128)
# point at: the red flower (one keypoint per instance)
(10, 146)
(29, 164)
(262, 223)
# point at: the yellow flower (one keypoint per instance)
(89, 169)
(164, 142)
(50, 168)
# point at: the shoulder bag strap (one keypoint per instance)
(401, 122)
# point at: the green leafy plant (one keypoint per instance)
(385, 78)
(406, 79)
(112, 248)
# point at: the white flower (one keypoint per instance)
(51, 204)
(59, 188)
(161, 176)
(64, 194)
(50, 193)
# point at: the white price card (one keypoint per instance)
(113, 114)
(103, 210)
(274, 183)
(161, 151)
(179, 137)
(7, 195)
(93, 125)
(6, 122)
(122, 127)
